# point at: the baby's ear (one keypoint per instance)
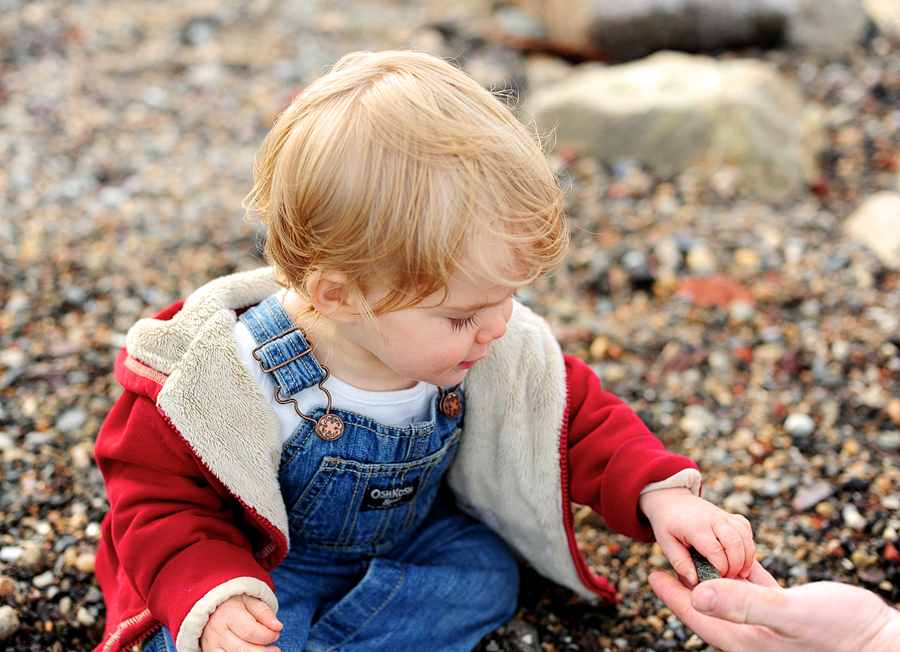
(330, 296)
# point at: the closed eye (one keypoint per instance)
(464, 323)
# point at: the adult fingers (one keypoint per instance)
(760, 576)
(668, 589)
(677, 597)
(741, 602)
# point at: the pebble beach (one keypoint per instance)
(760, 339)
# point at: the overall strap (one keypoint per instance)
(282, 350)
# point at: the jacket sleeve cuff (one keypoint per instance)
(188, 639)
(687, 478)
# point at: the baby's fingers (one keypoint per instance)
(736, 537)
(263, 614)
(247, 626)
(680, 558)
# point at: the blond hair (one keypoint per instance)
(392, 167)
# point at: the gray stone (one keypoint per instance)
(71, 420)
(622, 31)
(807, 497)
(705, 570)
(830, 28)
(674, 112)
(523, 636)
(888, 441)
(43, 580)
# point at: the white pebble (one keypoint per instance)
(891, 502)
(799, 425)
(11, 554)
(852, 518)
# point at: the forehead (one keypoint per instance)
(485, 278)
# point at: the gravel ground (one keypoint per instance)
(127, 132)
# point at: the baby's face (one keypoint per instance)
(438, 342)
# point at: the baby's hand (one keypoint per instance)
(239, 621)
(680, 520)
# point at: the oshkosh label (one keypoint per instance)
(388, 497)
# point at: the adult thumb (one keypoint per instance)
(740, 602)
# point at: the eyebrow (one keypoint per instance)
(480, 306)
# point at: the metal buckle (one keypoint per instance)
(329, 426)
(286, 362)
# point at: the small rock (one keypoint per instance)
(700, 259)
(694, 643)
(891, 502)
(807, 497)
(738, 503)
(893, 411)
(705, 570)
(11, 554)
(713, 291)
(888, 441)
(85, 562)
(44, 580)
(9, 622)
(523, 636)
(84, 617)
(875, 224)
(852, 518)
(799, 426)
(71, 420)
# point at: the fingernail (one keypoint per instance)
(704, 598)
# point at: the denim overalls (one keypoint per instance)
(380, 557)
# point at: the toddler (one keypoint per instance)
(364, 436)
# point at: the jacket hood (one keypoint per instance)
(190, 365)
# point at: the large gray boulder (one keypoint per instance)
(627, 30)
(673, 111)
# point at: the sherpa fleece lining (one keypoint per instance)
(507, 471)
(192, 627)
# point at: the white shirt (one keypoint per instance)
(395, 408)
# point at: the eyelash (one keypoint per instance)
(464, 323)
(472, 320)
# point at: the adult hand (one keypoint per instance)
(757, 614)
